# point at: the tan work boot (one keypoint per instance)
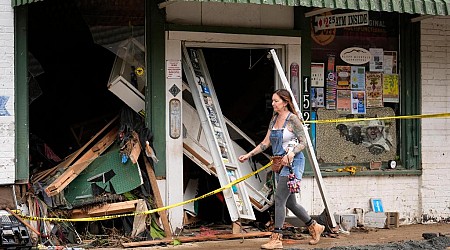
(274, 243)
(315, 229)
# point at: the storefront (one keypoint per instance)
(342, 71)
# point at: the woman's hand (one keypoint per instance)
(288, 158)
(243, 158)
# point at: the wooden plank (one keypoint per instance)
(66, 163)
(73, 171)
(23, 222)
(255, 203)
(136, 150)
(107, 209)
(196, 155)
(114, 208)
(158, 200)
(199, 238)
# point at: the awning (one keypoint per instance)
(422, 7)
(15, 3)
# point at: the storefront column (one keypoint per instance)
(21, 94)
(155, 90)
(174, 137)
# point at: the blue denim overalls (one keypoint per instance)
(276, 140)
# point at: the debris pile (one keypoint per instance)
(79, 199)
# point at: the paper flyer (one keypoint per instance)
(390, 62)
(317, 74)
(331, 84)
(343, 101)
(374, 89)
(317, 97)
(390, 88)
(358, 102)
(358, 78)
(343, 77)
(376, 63)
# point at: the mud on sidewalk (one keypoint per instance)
(406, 237)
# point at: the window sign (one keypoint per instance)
(361, 80)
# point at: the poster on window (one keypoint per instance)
(317, 98)
(374, 89)
(343, 77)
(358, 102)
(390, 62)
(317, 75)
(331, 84)
(390, 88)
(376, 63)
(343, 101)
(358, 78)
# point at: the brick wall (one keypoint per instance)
(435, 52)
(398, 193)
(7, 126)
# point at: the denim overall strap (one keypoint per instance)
(276, 138)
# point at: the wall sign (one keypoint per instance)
(173, 69)
(355, 56)
(342, 20)
(306, 99)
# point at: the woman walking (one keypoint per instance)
(285, 135)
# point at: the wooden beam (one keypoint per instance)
(66, 163)
(73, 171)
(23, 222)
(196, 155)
(158, 200)
(107, 209)
(198, 238)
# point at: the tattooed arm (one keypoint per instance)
(260, 148)
(295, 126)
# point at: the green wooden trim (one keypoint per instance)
(233, 30)
(410, 93)
(304, 23)
(21, 94)
(155, 101)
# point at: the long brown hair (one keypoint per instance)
(285, 96)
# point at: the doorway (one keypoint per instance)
(243, 82)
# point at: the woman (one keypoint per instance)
(285, 135)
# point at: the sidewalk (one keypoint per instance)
(358, 238)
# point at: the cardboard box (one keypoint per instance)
(381, 220)
(347, 221)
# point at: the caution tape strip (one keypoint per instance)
(381, 118)
(229, 185)
(108, 217)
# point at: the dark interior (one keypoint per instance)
(69, 72)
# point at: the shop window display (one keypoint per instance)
(354, 74)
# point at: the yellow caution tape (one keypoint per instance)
(108, 217)
(381, 118)
(229, 185)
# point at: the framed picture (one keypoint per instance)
(377, 205)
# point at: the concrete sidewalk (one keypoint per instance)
(356, 238)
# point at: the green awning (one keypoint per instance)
(423, 7)
(15, 3)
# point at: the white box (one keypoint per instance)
(347, 221)
(373, 219)
(128, 94)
